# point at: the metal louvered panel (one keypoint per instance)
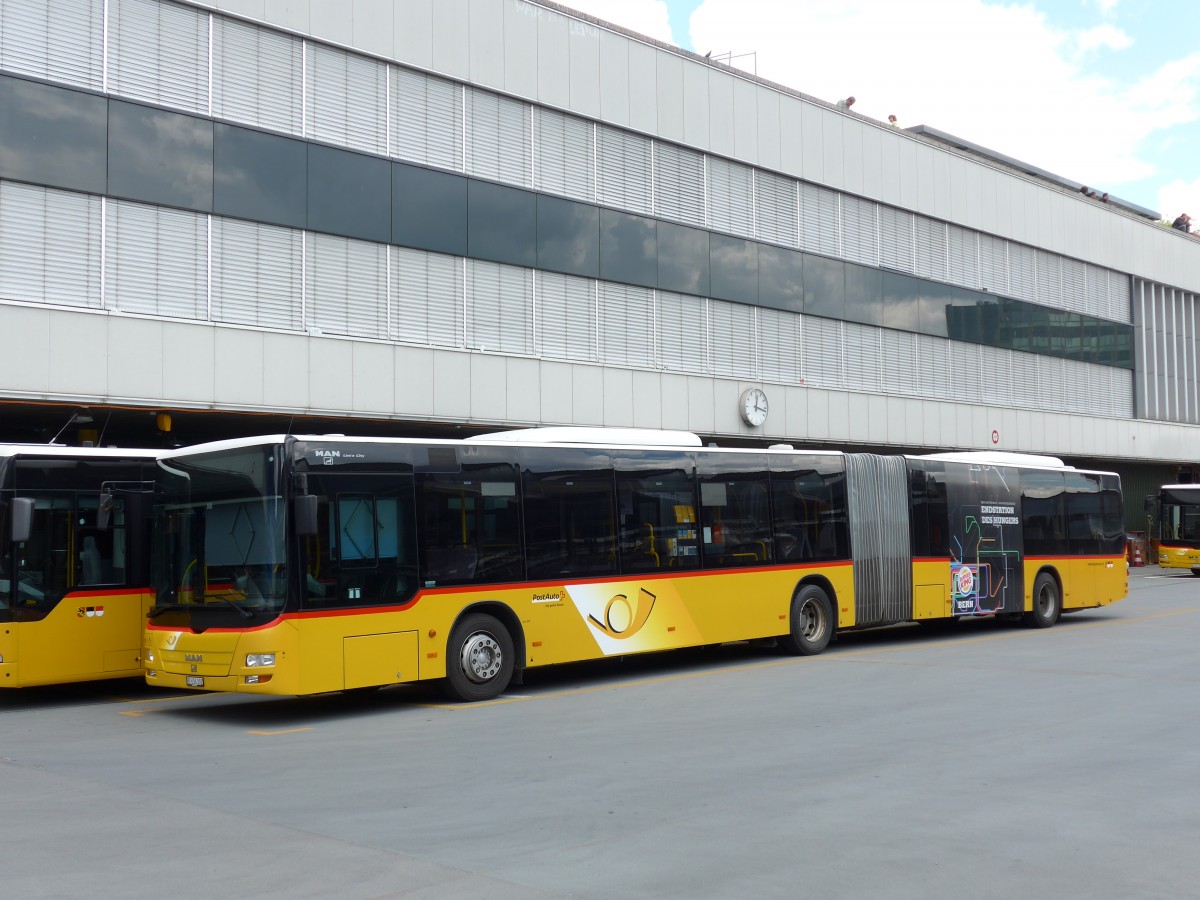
(730, 197)
(997, 387)
(256, 275)
(499, 308)
(60, 41)
(965, 375)
(1022, 271)
(565, 159)
(49, 246)
(733, 330)
(993, 264)
(964, 256)
(897, 354)
(346, 101)
(679, 184)
(427, 120)
(626, 330)
(156, 261)
(822, 352)
(776, 209)
(1074, 285)
(1050, 382)
(346, 286)
(931, 248)
(427, 298)
(933, 367)
(1119, 306)
(1096, 289)
(499, 143)
(158, 52)
(1049, 278)
(896, 239)
(682, 333)
(780, 338)
(860, 230)
(623, 170)
(877, 509)
(1078, 387)
(820, 220)
(566, 317)
(864, 363)
(257, 76)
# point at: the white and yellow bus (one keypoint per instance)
(297, 565)
(74, 563)
(1176, 516)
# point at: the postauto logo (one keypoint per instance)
(621, 618)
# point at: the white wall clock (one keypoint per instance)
(753, 406)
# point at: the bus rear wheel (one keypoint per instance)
(1047, 604)
(479, 663)
(811, 622)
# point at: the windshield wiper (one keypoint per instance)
(159, 610)
(173, 607)
(245, 613)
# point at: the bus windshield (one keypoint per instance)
(220, 524)
(1180, 516)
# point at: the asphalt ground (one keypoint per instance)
(984, 761)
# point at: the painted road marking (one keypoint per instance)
(284, 731)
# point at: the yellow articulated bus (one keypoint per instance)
(1175, 511)
(298, 565)
(74, 563)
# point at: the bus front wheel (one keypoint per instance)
(479, 659)
(1047, 605)
(811, 622)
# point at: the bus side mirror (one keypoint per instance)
(305, 514)
(22, 519)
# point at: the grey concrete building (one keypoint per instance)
(490, 213)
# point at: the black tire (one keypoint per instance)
(479, 659)
(1196, 571)
(1047, 603)
(811, 622)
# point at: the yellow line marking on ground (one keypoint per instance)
(791, 660)
(138, 713)
(284, 731)
(155, 699)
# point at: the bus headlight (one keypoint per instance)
(258, 660)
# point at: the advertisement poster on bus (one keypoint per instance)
(986, 575)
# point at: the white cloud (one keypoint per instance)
(648, 17)
(1179, 197)
(1103, 36)
(1000, 76)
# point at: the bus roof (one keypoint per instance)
(998, 458)
(60, 451)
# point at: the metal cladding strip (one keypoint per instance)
(880, 543)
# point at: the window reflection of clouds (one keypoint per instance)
(260, 176)
(780, 278)
(160, 157)
(734, 268)
(683, 261)
(568, 236)
(628, 248)
(52, 136)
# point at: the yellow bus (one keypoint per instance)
(74, 563)
(297, 565)
(1176, 514)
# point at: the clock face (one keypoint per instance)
(754, 406)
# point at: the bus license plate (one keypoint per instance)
(195, 681)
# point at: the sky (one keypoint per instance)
(1101, 92)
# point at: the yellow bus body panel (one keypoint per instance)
(1087, 581)
(1178, 557)
(88, 636)
(560, 622)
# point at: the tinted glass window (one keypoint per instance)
(570, 524)
(824, 287)
(501, 224)
(808, 502)
(160, 157)
(901, 302)
(260, 176)
(53, 136)
(864, 295)
(429, 210)
(628, 248)
(349, 194)
(1085, 516)
(928, 509)
(936, 298)
(734, 268)
(1043, 513)
(469, 525)
(568, 236)
(780, 278)
(735, 512)
(682, 259)
(967, 316)
(657, 512)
